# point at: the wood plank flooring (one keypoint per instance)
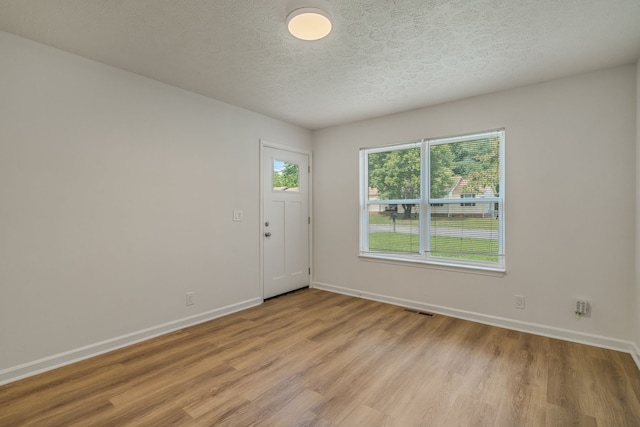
(315, 358)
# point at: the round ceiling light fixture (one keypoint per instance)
(309, 23)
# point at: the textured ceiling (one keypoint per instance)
(383, 56)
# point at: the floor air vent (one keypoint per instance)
(424, 313)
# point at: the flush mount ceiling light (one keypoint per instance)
(309, 23)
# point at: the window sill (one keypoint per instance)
(423, 263)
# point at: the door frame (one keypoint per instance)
(263, 144)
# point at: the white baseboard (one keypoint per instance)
(48, 363)
(635, 353)
(533, 328)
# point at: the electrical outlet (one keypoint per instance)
(582, 308)
(191, 298)
(519, 299)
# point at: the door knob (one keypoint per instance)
(267, 234)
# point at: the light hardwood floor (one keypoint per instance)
(319, 358)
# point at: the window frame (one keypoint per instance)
(425, 204)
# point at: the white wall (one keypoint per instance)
(636, 306)
(570, 147)
(116, 198)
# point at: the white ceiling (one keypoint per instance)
(383, 56)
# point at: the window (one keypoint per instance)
(286, 176)
(424, 182)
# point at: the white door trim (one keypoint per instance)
(263, 144)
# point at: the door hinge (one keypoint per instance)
(309, 220)
(309, 271)
(309, 169)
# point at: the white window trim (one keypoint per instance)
(424, 204)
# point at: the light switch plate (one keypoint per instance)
(238, 215)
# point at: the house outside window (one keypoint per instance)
(425, 181)
(467, 196)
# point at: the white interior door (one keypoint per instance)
(285, 221)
